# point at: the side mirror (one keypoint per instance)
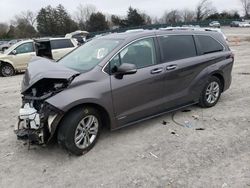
(125, 69)
(14, 52)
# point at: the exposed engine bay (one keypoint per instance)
(36, 116)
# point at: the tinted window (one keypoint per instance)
(174, 47)
(62, 43)
(208, 44)
(141, 53)
(25, 48)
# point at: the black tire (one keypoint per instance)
(67, 131)
(204, 102)
(7, 70)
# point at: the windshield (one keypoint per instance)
(90, 54)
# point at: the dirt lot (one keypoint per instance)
(147, 154)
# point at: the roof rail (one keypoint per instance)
(177, 28)
(102, 34)
(194, 29)
(189, 28)
(134, 30)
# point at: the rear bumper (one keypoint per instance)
(227, 74)
(227, 83)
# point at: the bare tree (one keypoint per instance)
(109, 20)
(28, 16)
(188, 15)
(156, 20)
(3, 29)
(246, 7)
(147, 18)
(83, 13)
(204, 9)
(173, 16)
(23, 25)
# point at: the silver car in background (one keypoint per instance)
(6, 45)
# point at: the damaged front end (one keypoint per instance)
(38, 119)
(36, 116)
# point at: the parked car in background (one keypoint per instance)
(121, 79)
(3, 42)
(235, 24)
(17, 57)
(55, 48)
(214, 24)
(244, 24)
(80, 36)
(6, 45)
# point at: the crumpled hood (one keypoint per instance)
(42, 68)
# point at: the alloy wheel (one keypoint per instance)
(212, 92)
(7, 71)
(86, 131)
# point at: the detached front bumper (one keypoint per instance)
(36, 127)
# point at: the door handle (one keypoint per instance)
(171, 67)
(156, 70)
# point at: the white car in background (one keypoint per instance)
(214, 24)
(244, 24)
(17, 57)
(54, 48)
(80, 36)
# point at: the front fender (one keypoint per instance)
(7, 61)
(97, 92)
(67, 99)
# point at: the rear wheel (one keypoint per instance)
(211, 92)
(7, 70)
(80, 130)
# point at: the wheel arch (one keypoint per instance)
(103, 112)
(220, 77)
(7, 62)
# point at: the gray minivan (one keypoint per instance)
(118, 80)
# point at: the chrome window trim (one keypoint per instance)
(193, 34)
(224, 48)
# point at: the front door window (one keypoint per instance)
(140, 53)
(25, 48)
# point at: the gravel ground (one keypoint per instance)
(148, 154)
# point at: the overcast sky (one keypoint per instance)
(8, 8)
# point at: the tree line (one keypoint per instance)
(56, 21)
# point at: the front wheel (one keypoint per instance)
(80, 130)
(7, 70)
(211, 92)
